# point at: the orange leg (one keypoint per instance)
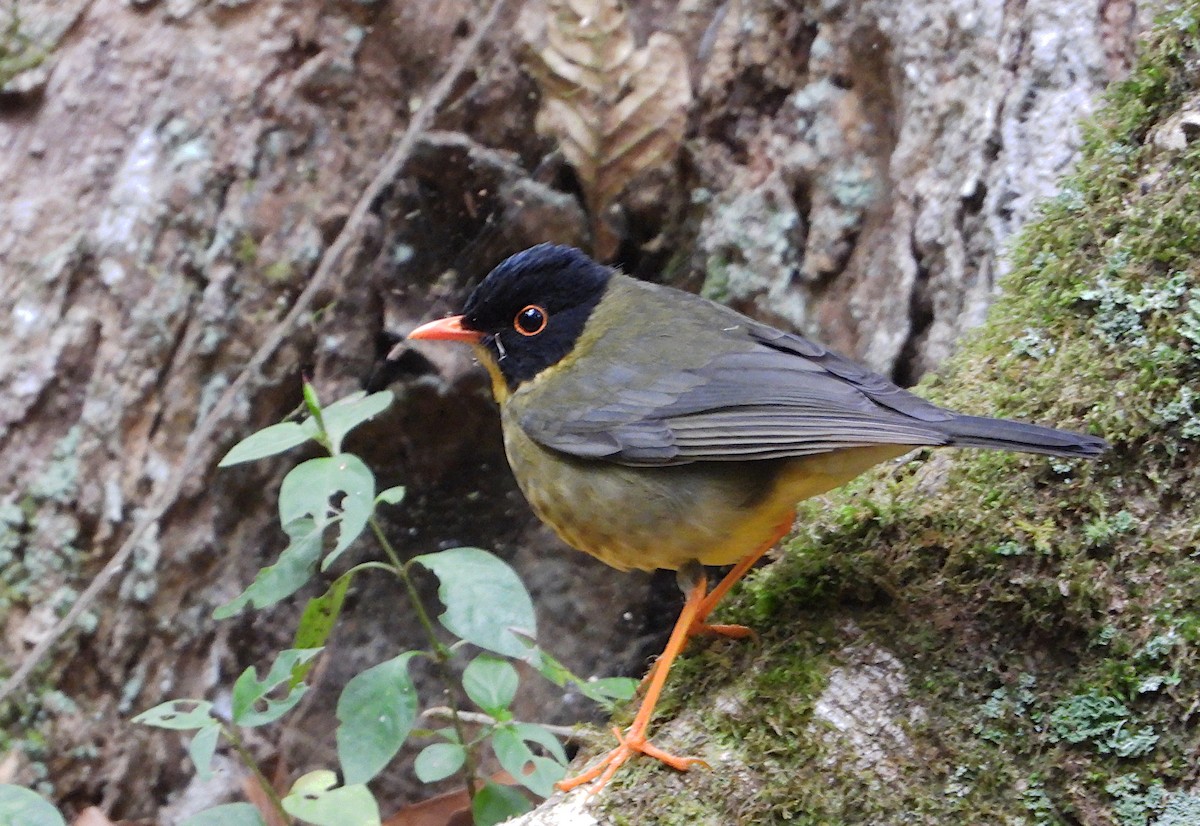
(736, 573)
(691, 621)
(634, 740)
(737, 632)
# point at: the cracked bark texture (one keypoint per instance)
(868, 199)
(171, 173)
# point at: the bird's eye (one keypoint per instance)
(531, 320)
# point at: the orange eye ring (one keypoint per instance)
(531, 320)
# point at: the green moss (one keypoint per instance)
(1044, 612)
(1104, 722)
(716, 279)
(247, 249)
(278, 271)
(19, 52)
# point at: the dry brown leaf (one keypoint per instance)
(449, 809)
(443, 810)
(616, 110)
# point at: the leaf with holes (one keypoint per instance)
(486, 603)
(316, 798)
(534, 772)
(332, 489)
(287, 576)
(180, 715)
(253, 703)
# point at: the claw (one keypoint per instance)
(629, 744)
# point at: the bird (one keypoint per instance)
(654, 428)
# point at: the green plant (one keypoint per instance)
(21, 807)
(325, 504)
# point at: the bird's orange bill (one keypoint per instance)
(446, 329)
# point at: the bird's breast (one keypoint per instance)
(664, 517)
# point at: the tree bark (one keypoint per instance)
(172, 174)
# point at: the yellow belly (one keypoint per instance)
(665, 517)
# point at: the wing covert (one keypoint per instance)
(715, 386)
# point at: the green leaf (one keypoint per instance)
(180, 715)
(22, 807)
(491, 683)
(495, 804)
(534, 772)
(267, 442)
(202, 748)
(287, 576)
(602, 691)
(230, 814)
(316, 798)
(553, 670)
(439, 761)
(448, 734)
(485, 601)
(391, 496)
(346, 414)
(317, 622)
(252, 705)
(377, 710)
(340, 418)
(312, 488)
(541, 735)
(608, 688)
(311, 401)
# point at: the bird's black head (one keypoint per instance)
(532, 308)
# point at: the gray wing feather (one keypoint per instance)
(768, 394)
(766, 401)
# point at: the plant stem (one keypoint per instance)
(248, 760)
(574, 734)
(371, 566)
(441, 653)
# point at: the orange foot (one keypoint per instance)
(629, 745)
(736, 632)
(634, 741)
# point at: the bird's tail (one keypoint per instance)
(1002, 434)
